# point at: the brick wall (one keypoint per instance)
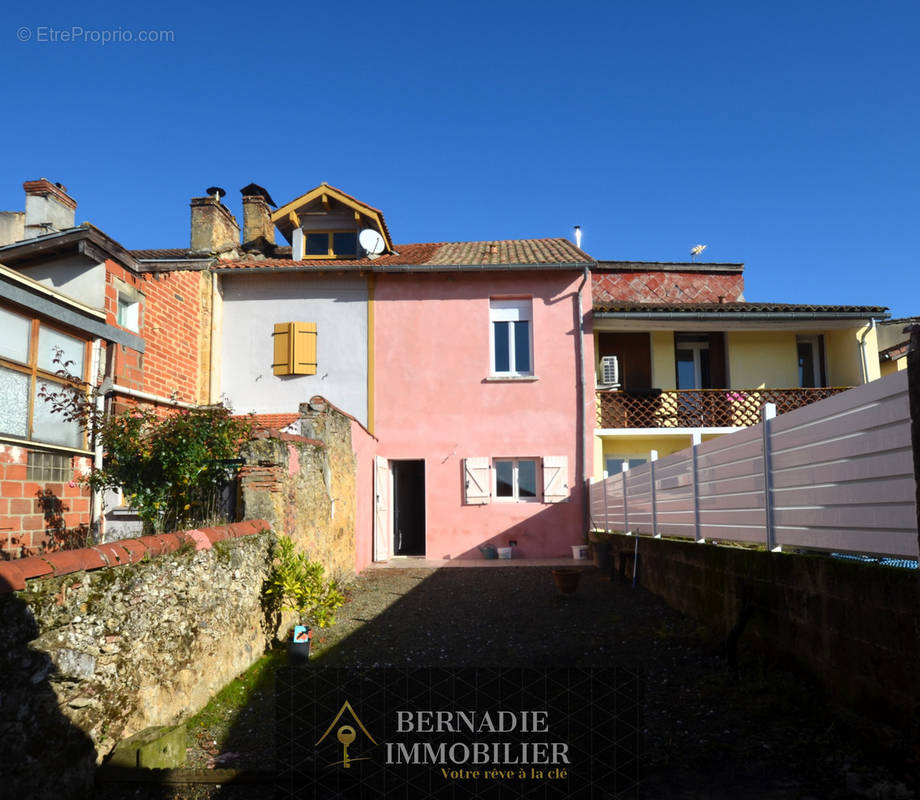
(666, 287)
(176, 325)
(36, 517)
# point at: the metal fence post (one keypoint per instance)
(653, 457)
(625, 499)
(913, 394)
(695, 439)
(768, 413)
(606, 506)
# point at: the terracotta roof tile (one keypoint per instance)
(753, 308)
(165, 253)
(271, 421)
(511, 252)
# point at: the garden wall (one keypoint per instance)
(305, 485)
(100, 643)
(852, 626)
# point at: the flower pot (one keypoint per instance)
(566, 580)
(488, 552)
(504, 552)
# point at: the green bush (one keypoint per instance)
(298, 584)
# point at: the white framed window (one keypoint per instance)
(511, 337)
(515, 479)
(614, 464)
(128, 314)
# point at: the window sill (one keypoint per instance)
(31, 444)
(511, 379)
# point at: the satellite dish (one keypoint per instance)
(371, 241)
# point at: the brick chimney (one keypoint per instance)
(48, 208)
(258, 228)
(214, 228)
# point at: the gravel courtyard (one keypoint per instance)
(711, 730)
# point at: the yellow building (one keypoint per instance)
(674, 372)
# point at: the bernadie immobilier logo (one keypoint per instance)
(463, 760)
(441, 733)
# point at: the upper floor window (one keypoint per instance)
(128, 313)
(331, 243)
(31, 354)
(511, 335)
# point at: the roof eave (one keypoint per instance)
(747, 316)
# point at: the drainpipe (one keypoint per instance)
(214, 358)
(862, 348)
(580, 350)
(95, 502)
(150, 398)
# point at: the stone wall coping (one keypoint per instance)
(274, 433)
(13, 574)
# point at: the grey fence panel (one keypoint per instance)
(841, 478)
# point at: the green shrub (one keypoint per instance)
(298, 584)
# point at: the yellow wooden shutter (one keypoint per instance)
(303, 337)
(294, 348)
(281, 362)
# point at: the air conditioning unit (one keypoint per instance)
(610, 371)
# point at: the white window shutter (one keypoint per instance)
(476, 481)
(555, 479)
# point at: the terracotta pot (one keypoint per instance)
(566, 580)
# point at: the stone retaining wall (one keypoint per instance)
(850, 625)
(100, 643)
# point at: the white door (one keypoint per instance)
(381, 509)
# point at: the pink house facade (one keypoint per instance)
(483, 388)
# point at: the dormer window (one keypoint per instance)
(331, 244)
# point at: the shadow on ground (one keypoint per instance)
(710, 730)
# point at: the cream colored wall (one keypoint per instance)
(762, 360)
(887, 368)
(664, 374)
(843, 357)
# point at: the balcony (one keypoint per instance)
(699, 408)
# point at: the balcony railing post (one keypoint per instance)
(652, 458)
(767, 414)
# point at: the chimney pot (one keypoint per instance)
(258, 228)
(214, 228)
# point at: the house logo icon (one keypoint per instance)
(346, 733)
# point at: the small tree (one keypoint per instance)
(171, 466)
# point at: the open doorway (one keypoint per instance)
(408, 508)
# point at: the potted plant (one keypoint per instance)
(600, 543)
(566, 579)
(298, 585)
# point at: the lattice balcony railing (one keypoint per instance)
(699, 408)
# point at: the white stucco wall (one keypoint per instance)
(252, 304)
(75, 276)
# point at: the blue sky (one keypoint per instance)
(782, 135)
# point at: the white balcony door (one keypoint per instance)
(692, 356)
